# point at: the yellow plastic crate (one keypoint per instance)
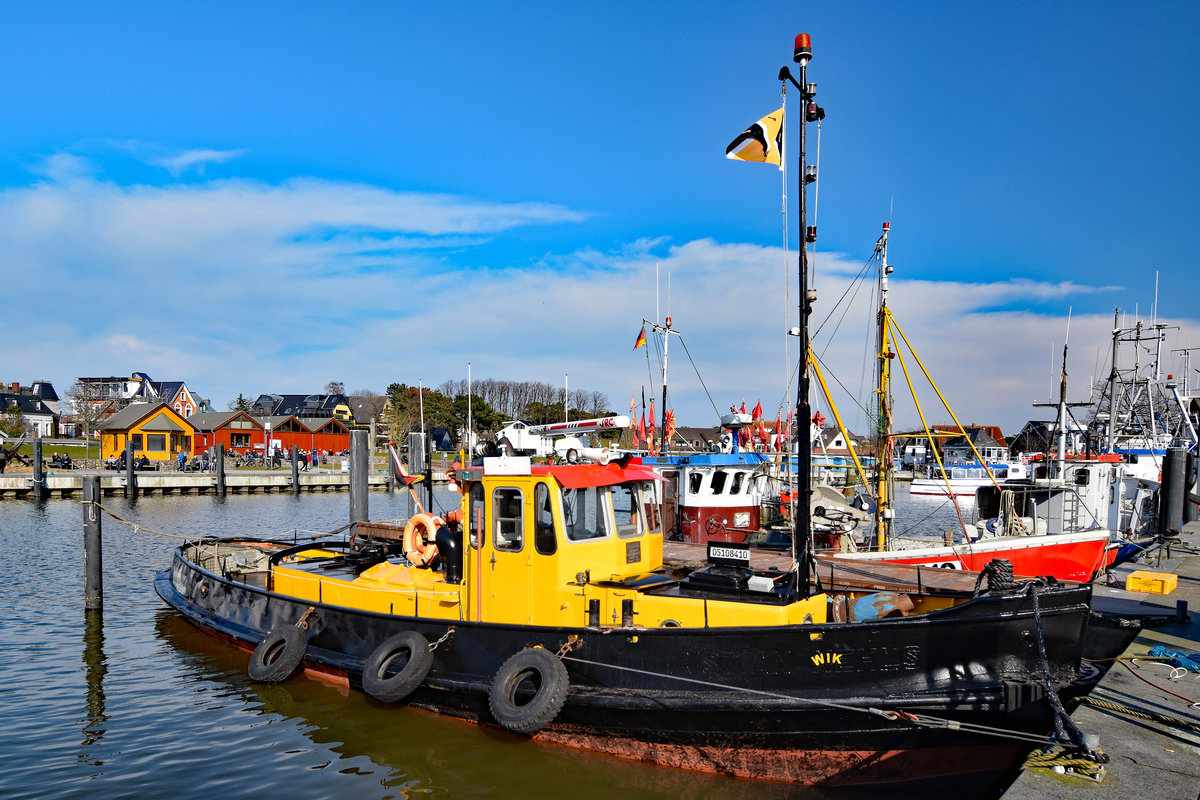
(1152, 582)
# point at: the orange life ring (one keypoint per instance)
(419, 547)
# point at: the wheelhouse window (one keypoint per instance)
(694, 480)
(583, 514)
(544, 540)
(718, 481)
(739, 478)
(624, 499)
(508, 519)
(651, 506)
(475, 513)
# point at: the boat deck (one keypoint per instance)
(835, 573)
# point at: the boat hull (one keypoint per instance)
(788, 703)
(1066, 556)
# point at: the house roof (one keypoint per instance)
(27, 404)
(44, 390)
(163, 423)
(299, 405)
(211, 420)
(134, 413)
(317, 424)
(167, 389)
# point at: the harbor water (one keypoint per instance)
(134, 701)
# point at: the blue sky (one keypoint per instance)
(267, 197)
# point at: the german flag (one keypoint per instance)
(762, 141)
(641, 340)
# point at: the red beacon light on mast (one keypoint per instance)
(803, 50)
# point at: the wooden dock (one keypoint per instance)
(1141, 710)
(70, 484)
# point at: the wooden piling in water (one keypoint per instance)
(295, 470)
(39, 475)
(93, 574)
(130, 471)
(220, 468)
(359, 466)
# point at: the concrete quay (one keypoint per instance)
(1157, 758)
(70, 484)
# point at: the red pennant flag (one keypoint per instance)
(650, 428)
(780, 433)
(670, 431)
(641, 428)
(757, 414)
(743, 408)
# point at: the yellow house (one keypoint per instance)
(154, 429)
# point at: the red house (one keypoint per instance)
(237, 430)
(308, 434)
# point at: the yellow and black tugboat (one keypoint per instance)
(543, 606)
(548, 611)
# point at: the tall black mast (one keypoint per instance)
(810, 112)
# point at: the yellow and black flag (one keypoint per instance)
(762, 141)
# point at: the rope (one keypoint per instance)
(1068, 759)
(1148, 716)
(694, 367)
(916, 720)
(143, 529)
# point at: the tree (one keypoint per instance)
(483, 418)
(241, 404)
(367, 405)
(86, 403)
(12, 423)
(335, 387)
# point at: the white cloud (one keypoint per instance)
(240, 286)
(179, 163)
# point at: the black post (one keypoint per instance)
(295, 470)
(39, 475)
(219, 466)
(1173, 492)
(130, 469)
(429, 473)
(359, 467)
(803, 527)
(93, 576)
(1190, 486)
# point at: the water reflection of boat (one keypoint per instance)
(415, 753)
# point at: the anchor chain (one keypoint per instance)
(434, 645)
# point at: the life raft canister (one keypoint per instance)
(419, 547)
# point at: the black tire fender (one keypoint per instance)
(278, 655)
(534, 670)
(394, 688)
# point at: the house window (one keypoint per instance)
(156, 443)
(137, 441)
(508, 519)
(239, 440)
